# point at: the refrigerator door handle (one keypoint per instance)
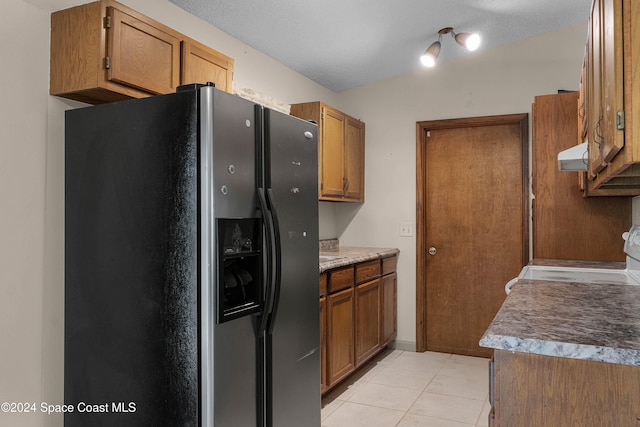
(270, 278)
(277, 279)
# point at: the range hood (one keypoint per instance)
(574, 159)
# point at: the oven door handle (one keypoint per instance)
(510, 284)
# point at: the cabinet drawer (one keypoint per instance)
(367, 270)
(323, 284)
(340, 279)
(389, 265)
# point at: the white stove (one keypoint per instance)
(628, 276)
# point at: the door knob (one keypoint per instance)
(432, 250)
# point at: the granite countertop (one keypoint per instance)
(599, 322)
(346, 255)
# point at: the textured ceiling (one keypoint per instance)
(342, 44)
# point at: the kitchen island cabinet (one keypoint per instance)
(359, 300)
(566, 353)
(104, 52)
(340, 151)
(532, 390)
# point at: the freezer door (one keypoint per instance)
(131, 263)
(292, 180)
(231, 257)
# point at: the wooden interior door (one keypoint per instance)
(472, 226)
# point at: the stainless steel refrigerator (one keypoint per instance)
(191, 264)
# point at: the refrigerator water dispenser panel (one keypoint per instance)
(240, 268)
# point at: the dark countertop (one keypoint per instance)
(599, 322)
(346, 255)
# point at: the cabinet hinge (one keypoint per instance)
(620, 120)
(107, 22)
(107, 62)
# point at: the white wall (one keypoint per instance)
(499, 81)
(23, 135)
(32, 188)
(32, 170)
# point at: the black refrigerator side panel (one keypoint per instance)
(131, 263)
(293, 165)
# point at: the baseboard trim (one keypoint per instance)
(403, 345)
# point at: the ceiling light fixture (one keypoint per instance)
(469, 41)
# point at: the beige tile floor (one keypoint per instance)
(407, 389)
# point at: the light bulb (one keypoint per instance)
(430, 55)
(473, 42)
(467, 40)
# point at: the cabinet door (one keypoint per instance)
(354, 160)
(323, 344)
(582, 101)
(340, 336)
(595, 127)
(612, 78)
(389, 291)
(332, 153)
(201, 64)
(533, 390)
(367, 320)
(141, 55)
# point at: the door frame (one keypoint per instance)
(421, 238)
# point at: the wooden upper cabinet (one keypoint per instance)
(141, 55)
(612, 78)
(104, 52)
(332, 156)
(340, 151)
(201, 64)
(565, 224)
(592, 96)
(354, 158)
(612, 98)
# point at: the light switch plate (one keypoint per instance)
(406, 229)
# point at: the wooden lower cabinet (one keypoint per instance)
(529, 390)
(340, 335)
(367, 317)
(389, 321)
(358, 316)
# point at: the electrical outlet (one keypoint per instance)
(406, 229)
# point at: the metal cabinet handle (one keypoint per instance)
(432, 250)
